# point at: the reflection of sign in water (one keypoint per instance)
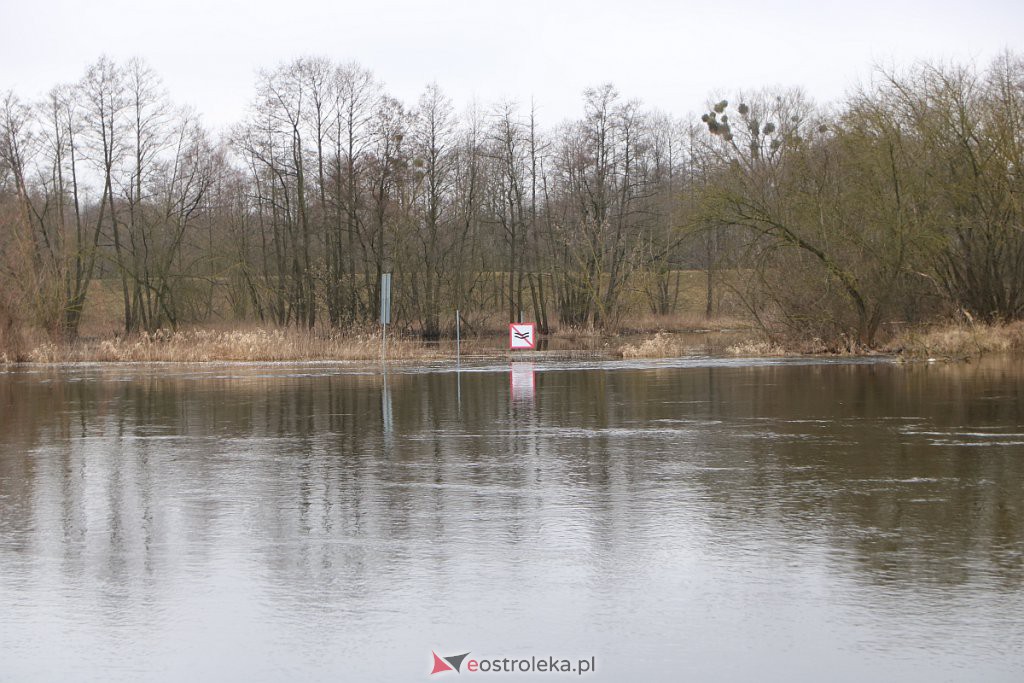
(521, 376)
(521, 336)
(387, 417)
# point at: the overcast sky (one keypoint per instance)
(671, 55)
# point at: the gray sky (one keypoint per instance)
(671, 55)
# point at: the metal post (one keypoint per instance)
(458, 338)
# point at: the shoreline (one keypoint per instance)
(947, 343)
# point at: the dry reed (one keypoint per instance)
(661, 345)
(960, 340)
(259, 345)
(281, 345)
(756, 348)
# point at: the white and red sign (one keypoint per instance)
(522, 336)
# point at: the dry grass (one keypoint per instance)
(199, 346)
(679, 322)
(274, 345)
(952, 341)
(756, 348)
(652, 324)
(12, 339)
(280, 345)
(678, 344)
(959, 340)
(661, 345)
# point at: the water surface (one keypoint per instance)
(702, 519)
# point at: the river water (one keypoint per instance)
(698, 519)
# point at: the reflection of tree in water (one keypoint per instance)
(867, 457)
(138, 482)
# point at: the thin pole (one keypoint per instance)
(383, 341)
(458, 338)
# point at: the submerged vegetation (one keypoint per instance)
(128, 231)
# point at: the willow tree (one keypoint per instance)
(51, 242)
(968, 128)
(822, 201)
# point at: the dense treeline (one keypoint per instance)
(901, 203)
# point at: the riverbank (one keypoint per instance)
(272, 344)
(276, 345)
(959, 341)
(945, 341)
(721, 337)
(204, 345)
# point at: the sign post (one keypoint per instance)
(522, 336)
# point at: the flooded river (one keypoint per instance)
(692, 520)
